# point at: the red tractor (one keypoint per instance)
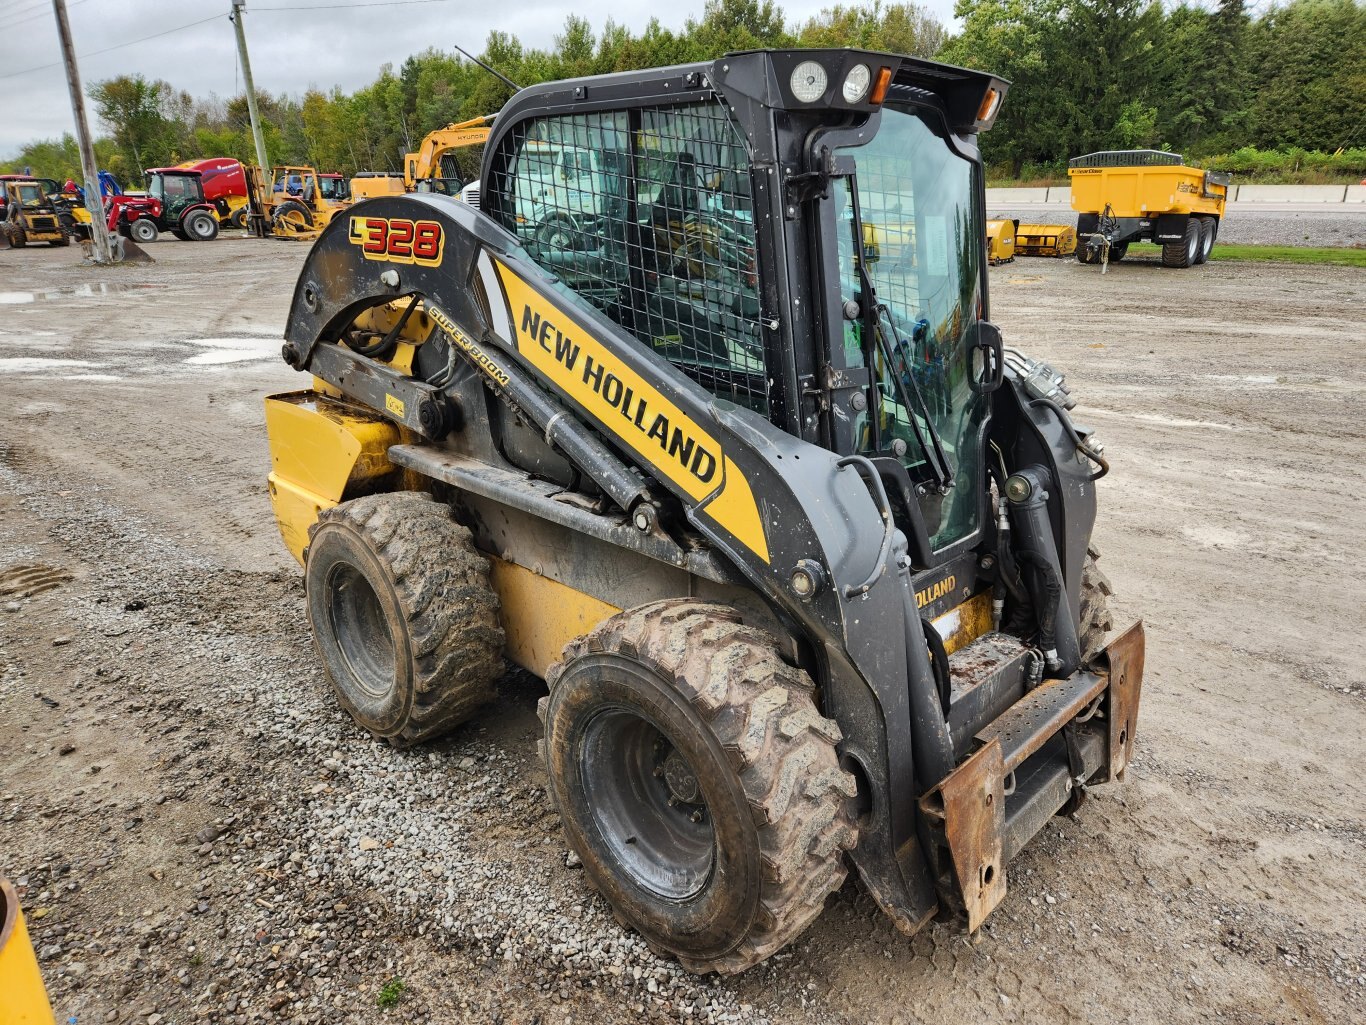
(174, 202)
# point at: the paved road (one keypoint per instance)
(1284, 224)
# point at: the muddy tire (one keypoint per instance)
(1118, 251)
(403, 615)
(697, 782)
(1185, 253)
(1096, 620)
(292, 214)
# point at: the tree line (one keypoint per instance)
(1278, 90)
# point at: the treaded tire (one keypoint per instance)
(294, 211)
(1206, 238)
(199, 226)
(142, 230)
(1096, 620)
(1185, 253)
(1118, 251)
(762, 758)
(418, 654)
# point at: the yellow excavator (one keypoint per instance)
(434, 168)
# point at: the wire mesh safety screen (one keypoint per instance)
(648, 215)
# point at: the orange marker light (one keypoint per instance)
(989, 104)
(880, 84)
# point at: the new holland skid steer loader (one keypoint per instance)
(798, 545)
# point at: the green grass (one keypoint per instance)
(1270, 254)
(390, 994)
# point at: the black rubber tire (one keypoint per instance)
(19, 239)
(239, 218)
(756, 752)
(199, 226)
(1084, 254)
(181, 235)
(558, 234)
(292, 206)
(1186, 252)
(1206, 238)
(432, 642)
(65, 240)
(1096, 620)
(1118, 250)
(142, 230)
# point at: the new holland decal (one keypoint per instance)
(633, 410)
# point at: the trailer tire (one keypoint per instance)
(1118, 250)
(1084, 253)
(403, 615)
(1186, 252)
(1206, 238)
(1096, 620)
(697, 782)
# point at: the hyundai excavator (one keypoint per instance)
(801, 548)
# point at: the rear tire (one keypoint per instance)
(293, 213)
(697, 782)
(1186, 252)
(1118, 251)
(403, 615)
(200, 226)
(1206, 238)
(239, 219)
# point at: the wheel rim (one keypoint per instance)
(647, 805)
(361, 630)
(199, 227)
(142, 232)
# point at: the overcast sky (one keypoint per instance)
(291, 50)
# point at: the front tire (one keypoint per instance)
(1096, 620)
(403, 615)
(1186, 252)
(697, 782)
(142, 231)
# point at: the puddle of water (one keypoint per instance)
(74, 292)
(218, 356)
(33, 364)
(254, 344)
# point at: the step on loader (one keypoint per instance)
(801, 549)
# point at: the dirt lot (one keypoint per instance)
(199, 834)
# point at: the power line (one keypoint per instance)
(119, 46)
(43, 10)
(345, 7)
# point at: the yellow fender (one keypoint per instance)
(319, 446)
(23, 999)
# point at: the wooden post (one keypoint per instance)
(94, 199)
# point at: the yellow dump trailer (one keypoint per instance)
(1124, 196)
(1045, 240)
(1001, 241)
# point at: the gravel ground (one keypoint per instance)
(1333, 224)
(199, 834)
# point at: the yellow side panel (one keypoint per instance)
(317, 447)
(962, 625)
(541, 616)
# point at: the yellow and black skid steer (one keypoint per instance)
(799, 546)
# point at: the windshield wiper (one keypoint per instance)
(874, 312)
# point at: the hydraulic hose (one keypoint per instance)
(931, 746)
(1082, 445)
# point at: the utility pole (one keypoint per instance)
(239, 8)
(94, 199)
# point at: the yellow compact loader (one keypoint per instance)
(30, 215)
(800, 548)
(293, 202)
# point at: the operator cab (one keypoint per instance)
(802, 237)
(177, 190)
